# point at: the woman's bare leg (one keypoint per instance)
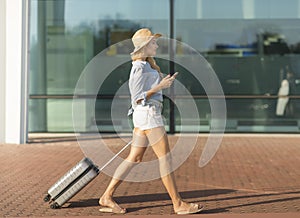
(158, 139)
(135, 156)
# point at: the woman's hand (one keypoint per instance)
(167, 81)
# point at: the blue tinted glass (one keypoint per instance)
(65, 35)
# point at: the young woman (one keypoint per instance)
(146, 84)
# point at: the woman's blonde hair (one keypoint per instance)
(150, 60)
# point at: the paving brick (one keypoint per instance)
(250, 174)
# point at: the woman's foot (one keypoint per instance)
(108, 205)
(188, 208)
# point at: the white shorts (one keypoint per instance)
(148, 116)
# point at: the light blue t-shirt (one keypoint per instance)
(142, 78)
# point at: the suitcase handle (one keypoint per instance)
(116, 155)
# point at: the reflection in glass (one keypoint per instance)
(252, 45)
(64, 37)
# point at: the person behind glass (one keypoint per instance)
(292, 90)
(146, 83)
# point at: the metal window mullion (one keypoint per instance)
(171, 69)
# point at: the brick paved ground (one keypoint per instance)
(250, 175)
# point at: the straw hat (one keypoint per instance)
(141, 38)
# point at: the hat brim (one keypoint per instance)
(156, 35)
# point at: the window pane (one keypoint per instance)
(65, 35)
(252, 45)
(244, 115)
(237, 9)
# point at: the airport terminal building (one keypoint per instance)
(47, 46)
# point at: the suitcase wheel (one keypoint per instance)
(54, 206)
(47, 198)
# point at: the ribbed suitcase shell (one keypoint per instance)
(83, 181)
(72, 182)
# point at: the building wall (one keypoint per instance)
(2, 69)
(66, 36)
(12, 97)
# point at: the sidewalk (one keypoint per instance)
(250, 176)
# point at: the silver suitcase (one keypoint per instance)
(74, 180)
(71, 183)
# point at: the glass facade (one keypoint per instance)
(252, 45)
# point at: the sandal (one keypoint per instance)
(115, 209)
(195, 208)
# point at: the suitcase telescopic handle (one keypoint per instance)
(116, 155)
